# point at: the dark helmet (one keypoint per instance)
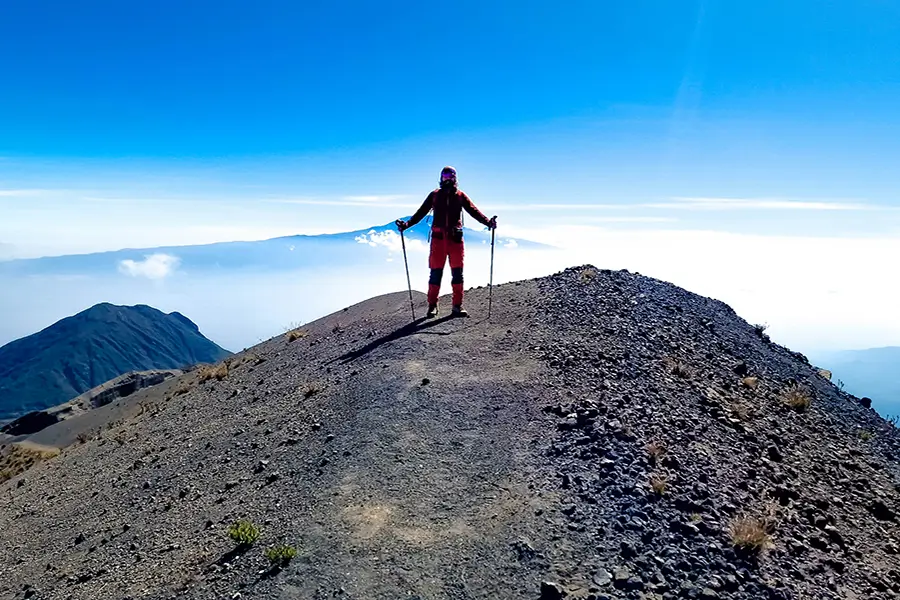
(448, 177)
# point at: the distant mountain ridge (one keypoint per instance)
(281, 253)
(83, 351)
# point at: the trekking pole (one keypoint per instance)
(491, 281)
(408, 284)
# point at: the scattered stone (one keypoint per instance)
(882, 511)
(602, 578)
(551, 591)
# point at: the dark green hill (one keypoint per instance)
(94, 346)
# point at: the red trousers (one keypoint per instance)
(442, 248)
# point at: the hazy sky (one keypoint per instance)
(726, 146)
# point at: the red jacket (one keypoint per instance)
(448, 206)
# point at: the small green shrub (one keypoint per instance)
(281, 555)
(244, 533)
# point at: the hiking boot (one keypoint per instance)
(432, 311)
(459, 311)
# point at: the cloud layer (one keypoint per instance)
(154, 266)
(390, 240)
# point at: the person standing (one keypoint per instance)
(447, 202)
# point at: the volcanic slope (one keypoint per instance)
(605, 435)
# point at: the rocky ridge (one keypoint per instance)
(605, 435)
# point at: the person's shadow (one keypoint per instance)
(420, 325)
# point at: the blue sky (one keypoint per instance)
(534, 102)
(764, 133)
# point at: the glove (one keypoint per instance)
(492, 224)
(401, 224)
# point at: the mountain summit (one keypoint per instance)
(604, 435)
(92, 347)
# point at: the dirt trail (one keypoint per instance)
(432, 474)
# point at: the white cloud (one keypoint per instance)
(23, 193)
(389, 239)
(684, 203)
(360, 201)
(561, 206)
(817, 293)
(376, 198)
(154, 266)
(511, 244)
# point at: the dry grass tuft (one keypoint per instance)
(296, 334)
(655, 451)
(679, 368)
(18, 459)
(588, 274)
(310, 390)
(796, 397)
(750, 382)
(760, 329)
(741, 411)
(659, 483)
(752, 533)
(217, 372)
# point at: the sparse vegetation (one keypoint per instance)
(865, 435)
(217, 372)
(659, 483)
(310, 390)
(588, 274)
(760, 329)
(740, 411)
(679, 368)
(280, 555)
(655, 451)
(296, 334)
(797, 397)
(750, 382)
(243, 533)
(18, 459)
(893, 421)
(182, 389)
(255, 359)
(752, 533)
